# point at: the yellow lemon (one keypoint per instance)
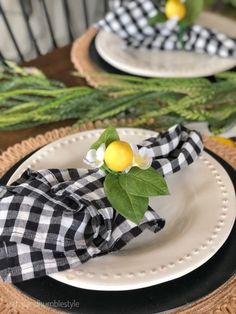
(118, 156)
(175, 8)
(224, 140)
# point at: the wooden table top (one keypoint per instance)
(56, 65)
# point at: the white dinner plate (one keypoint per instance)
(156, 63)
(199, 212)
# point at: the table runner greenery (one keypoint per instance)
(28, 98)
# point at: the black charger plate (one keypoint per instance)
(155, 299)
(98, 60)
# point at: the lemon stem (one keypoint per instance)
(182, 29)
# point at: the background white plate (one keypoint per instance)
(156, 63)
(199, 213)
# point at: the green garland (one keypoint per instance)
(28, 98)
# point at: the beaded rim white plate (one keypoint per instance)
(199, 213)
(155, 63)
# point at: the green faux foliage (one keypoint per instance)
(170, 101)
(159, 18)
(130, 206)
(28, 99)
(108, 136)
(194, 9)
(143, 183)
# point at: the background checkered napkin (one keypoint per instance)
(129, 20)
(52, 220)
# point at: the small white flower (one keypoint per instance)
(142, 157)
(171, 23)
(95, 158)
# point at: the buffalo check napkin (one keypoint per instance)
(55, 219)
(129, 20)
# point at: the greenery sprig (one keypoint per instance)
(28, 98)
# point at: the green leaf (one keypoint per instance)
(159, 18)
(108, 136)
(129, 206)
(194, 8)
(144, 182)
(208, 3)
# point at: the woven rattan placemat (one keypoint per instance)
(80, 56)
(12, 301)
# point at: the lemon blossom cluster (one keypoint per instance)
(175, 11)
(129, 178)
(119, 156)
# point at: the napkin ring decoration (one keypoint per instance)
(166, 25)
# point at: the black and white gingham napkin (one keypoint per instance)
(53, 220)
(129, 20)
